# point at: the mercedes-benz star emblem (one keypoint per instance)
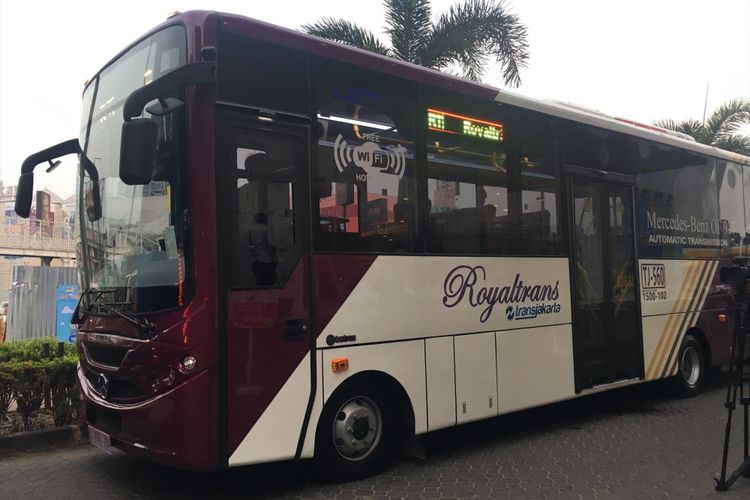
(102, 385)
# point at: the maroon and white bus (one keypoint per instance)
(291, 248)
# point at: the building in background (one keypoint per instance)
(48, 232)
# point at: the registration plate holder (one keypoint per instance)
(101, 440)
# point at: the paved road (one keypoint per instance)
(631, 443)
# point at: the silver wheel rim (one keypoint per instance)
(357, 428)
(691, 366)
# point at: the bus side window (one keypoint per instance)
(681, 186)
(539, 166)
(731, 230)
(365, 177)
(468, 177)
(264, 249)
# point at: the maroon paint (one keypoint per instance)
(719, 301)
(260, 360)
(201, 314)
(183, 418)
(336, 276)
(171, 429)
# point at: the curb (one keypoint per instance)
(45, 439)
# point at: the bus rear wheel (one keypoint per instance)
(691, 372)
(354, 438)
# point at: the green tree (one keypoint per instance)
(721, 129)
(465, 36)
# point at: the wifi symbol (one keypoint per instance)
(397, 161)
(343, 154)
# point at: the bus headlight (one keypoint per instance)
(188, 364)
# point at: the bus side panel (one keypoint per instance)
(441, 383)
(267, 442)
(534, 367)
(308, 445)
(270, 380)
(404, 361)
(407, 297)
(673, 294)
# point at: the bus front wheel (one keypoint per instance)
(691, 372)
(355, 433)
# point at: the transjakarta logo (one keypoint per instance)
(467, 284)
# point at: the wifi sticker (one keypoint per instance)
(370, 157)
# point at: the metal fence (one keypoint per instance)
(32, 307)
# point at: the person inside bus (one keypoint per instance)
(262, 252)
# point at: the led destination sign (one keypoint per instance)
(442, 121)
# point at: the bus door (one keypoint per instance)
(607, 340)
(264, 270)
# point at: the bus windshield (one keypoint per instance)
(134, 249)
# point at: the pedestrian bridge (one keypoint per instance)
(46, 243)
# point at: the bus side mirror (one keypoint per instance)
(25, 189)
(138, 151)
(24, 193)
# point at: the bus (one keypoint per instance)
(290, 248)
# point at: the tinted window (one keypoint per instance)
(678, 207)
(538, 159)
(265, 243)
(595, 148)
(468, 178)
(262, 75)
(365, 173)
(731, 208)
(492, 178)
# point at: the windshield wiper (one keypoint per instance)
(147, 329)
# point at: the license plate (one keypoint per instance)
(100, 440)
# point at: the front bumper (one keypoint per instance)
(173, 428)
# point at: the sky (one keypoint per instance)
(640, 59)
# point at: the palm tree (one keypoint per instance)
(721, 129)
(464, 36)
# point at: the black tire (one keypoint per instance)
(330, 459)
(691, 370)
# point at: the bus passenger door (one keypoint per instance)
(607, 339)
(264, 274)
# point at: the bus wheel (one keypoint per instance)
(691, 372)
(354, 436)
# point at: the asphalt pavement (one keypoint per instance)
(632, 443)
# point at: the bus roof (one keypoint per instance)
(303, 42)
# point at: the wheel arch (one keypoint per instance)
(395, 391)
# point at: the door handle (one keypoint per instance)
(294, 329)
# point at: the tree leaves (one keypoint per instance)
(466, 36)
(409, 25)
(342, 31)
(469, 31)
(721, 127)
(725, 121)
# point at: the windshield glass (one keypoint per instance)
(133, 252)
